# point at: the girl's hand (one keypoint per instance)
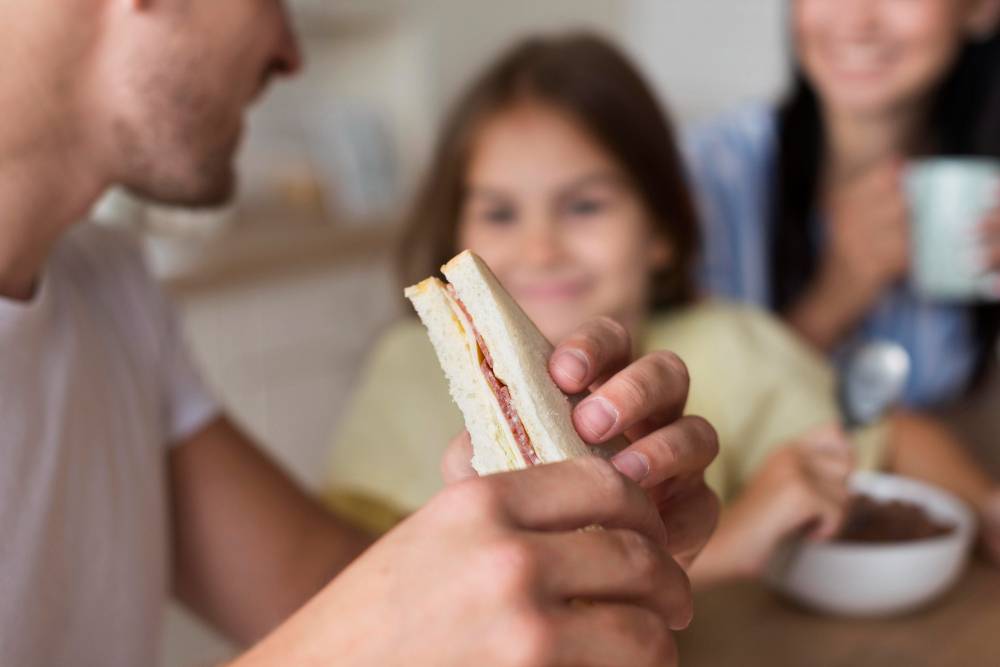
(801, 489)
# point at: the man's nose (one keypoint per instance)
(288, 58)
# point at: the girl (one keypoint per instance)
(803, 207)
(560, 170)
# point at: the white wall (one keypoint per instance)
(468, 34)
(705, 56)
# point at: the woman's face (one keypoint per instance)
(557, 220)
(877, 56)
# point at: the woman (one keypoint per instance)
(560, 170)
(803, 207)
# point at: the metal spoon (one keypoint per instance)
(872, 382)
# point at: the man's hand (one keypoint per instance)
(644, 401)
(496, 570)
(492, 571)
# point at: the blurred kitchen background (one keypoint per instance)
(282, 293)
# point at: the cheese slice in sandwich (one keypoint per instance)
(496, 361)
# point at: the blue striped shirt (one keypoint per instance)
(731, 166)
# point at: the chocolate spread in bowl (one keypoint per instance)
(871, 520)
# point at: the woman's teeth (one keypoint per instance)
(859, 57)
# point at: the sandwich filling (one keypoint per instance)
(500, 390)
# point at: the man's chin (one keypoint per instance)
(209, 193)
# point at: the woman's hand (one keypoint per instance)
(866, 249)
(989, 234)
(800, 489)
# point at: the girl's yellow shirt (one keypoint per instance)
(757, 384)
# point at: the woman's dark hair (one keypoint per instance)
(587, 78)
(964, 121)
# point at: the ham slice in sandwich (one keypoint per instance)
(496, 361)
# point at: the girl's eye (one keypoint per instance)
(586, 207)
(498, 216)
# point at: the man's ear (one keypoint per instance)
(984, 15)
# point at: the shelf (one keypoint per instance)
(255, 250)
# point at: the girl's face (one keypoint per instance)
(877, 56)
(557, 220)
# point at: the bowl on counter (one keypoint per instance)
(869, 579)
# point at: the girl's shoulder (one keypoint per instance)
(729, 337)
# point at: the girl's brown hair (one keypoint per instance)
(591, 80)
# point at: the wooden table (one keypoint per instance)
(744, 625)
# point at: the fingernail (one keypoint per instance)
(682, 620)
(596, 416)
(572, 365)
(633, 465)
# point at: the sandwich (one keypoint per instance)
(496, 361)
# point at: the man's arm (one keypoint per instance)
(250, 547)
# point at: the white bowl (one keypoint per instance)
(879, 579)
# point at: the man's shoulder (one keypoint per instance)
(95, 252)
(91, 238)
(103, 269)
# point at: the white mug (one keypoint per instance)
(948, 199)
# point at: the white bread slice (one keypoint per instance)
(494, 447)
(520, 356)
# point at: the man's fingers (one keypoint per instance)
(597, 349)
(612, 565)
(687, 446)
(653, 388)
(574, 494)
(610, 635)
(690, 514)
(456, 464)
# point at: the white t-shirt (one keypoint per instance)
(95, 384)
